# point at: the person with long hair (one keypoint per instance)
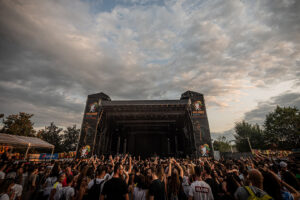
(175, 190)
(140, 191)
(157, 188)
(254, 189)
(277, 188)
(51, 180)
(6, 191)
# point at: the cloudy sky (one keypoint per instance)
(244, 56)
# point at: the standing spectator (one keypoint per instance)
(288, 176)
(115, 188)
(255, 188)
(51, 180)
(157, 188)
(175, 190)
(95, 186)
(2, 173)
(6, 191)
(68, 192)
(140, 190)
(199, 189)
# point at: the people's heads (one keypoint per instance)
(90, 172)
(154, 172)
(70, 179)
(207, 170)
(256, 178)
(149, 172)
(6, 185)
(118, 169)
(109, 168)
(283, 166)
(174, 171)
(215, 174)
(291, 179)
(271, 185)
(198, 171)
(55, 170)
(140, 181)
(62, 177)
(101, 170)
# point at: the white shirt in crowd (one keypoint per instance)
(186, 186)
(98, 181)
(11, 175)
(108, 176)
(49, 183)
(139, 194)
(17, 189)
(200, 191)
(24, 179)
(58, 187)
(2, 175)
(4, 197)
(68, 192)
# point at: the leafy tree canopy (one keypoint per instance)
(52, 134)
(282, 128)
(244, 131)
(70, 138)
(221, 144)
(19, 124)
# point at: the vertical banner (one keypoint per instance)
(200, 123)
(89, 124)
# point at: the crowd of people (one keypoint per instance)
(126, 177)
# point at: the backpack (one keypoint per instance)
(94, 192)
(254, 197)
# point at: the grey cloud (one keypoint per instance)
(258, 115)
(53, 52)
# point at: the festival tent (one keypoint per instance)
(24, 142)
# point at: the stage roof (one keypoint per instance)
(182, 102)
(23, 141)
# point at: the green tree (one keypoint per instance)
(19, 124)
(221, 144)
(245, 130)
(282, 128)
(70, 138)
(52, 135)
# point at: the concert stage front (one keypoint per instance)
(145, 127)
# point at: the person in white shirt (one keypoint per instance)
(99, 181)
(2, 174)
(17, 189)
(100, 176)
(68, 192)
(5, 190)
(140, 190)
(199, 189)
(57, 187)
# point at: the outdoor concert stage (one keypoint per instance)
(145, 127)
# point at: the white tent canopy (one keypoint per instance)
(23, 141)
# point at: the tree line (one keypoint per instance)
(280, 131)
(21, 124)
